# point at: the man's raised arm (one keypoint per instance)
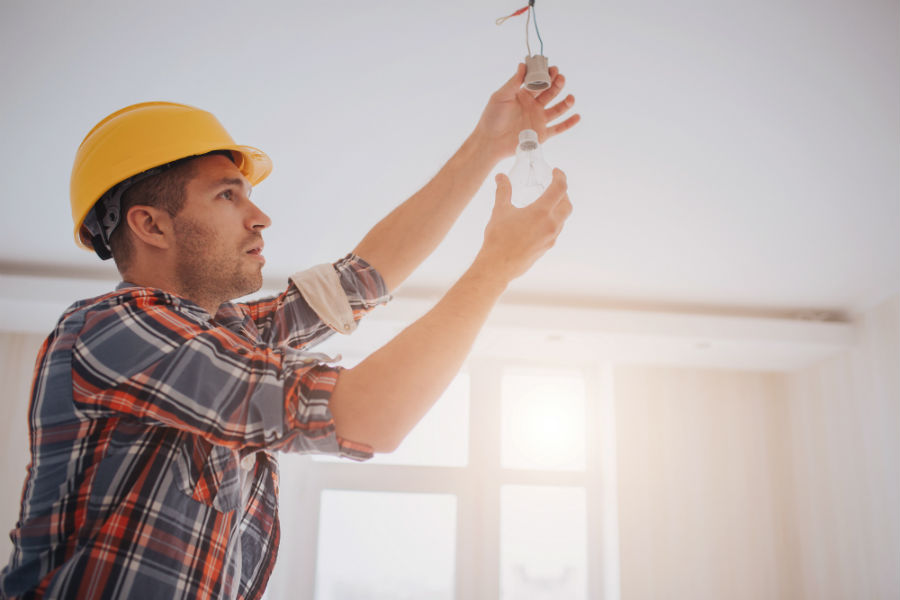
(399, 243)
(379, 401)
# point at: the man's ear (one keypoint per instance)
(150, 225)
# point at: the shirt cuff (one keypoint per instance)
(321, 287)
(354, 450)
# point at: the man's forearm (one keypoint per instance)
(381, 399)
(399, 243)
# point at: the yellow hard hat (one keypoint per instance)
(147, 135)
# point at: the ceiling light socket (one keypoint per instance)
(537, 75)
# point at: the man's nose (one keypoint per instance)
(257, 219)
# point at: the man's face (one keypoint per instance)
(218, 233)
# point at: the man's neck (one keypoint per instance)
(209, 304)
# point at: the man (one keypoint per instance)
(156, 409)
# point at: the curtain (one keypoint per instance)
(701, 489)
(764, 485)
(844, 424)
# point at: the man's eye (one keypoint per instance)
(227, 194)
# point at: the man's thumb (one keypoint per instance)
(504, 191)
(516, 81)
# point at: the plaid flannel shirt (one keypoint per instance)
(152, 437)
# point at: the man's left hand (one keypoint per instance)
(512, 108)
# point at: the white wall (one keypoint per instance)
(844, 421)
(17, 354)
(701, 495)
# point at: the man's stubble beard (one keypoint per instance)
(207, 271)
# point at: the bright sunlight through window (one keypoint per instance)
(386, 546)
(543, 420)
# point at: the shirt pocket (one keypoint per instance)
(208, 473)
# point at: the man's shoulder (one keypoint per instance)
(119, 296)
(133, 299)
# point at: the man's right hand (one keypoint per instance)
(378, 401)
(516, 237)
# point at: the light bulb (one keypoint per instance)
(530, 174)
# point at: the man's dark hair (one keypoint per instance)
(164, 190)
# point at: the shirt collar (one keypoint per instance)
(178, 301)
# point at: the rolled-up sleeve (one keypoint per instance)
(341, 293)
(317, 302)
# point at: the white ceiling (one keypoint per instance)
(732, 156)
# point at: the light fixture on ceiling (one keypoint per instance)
(537, 74)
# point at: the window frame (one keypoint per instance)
(476, 486)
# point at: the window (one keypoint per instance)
(382, 545)
(491, 496)
(543, 420)
(543, 543)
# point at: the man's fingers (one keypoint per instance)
(514, 83)
(563, 209)
(504, 191)
(555, 191)
(557, 82)
(560, 127)
(559, 108)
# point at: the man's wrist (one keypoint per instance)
(484, 149)
(483, 276)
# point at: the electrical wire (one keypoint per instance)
(536, 30)
(532, 15)
(503, 20)
(527, 23)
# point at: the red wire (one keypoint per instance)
(515, 14)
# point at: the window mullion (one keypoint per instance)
(478, 547)
(602, 487)
(301, 492)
